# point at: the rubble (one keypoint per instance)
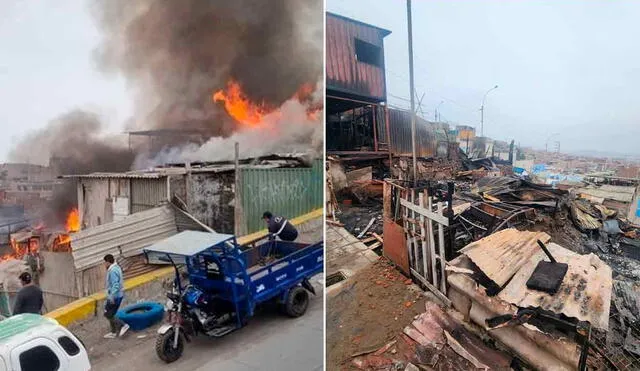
(496, 219)
(435, 339)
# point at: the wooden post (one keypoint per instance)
(414, 238)
(423, 233)
(432, 244)
(442, 253)
(406, 228)
(375, 134)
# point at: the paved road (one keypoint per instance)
(270, 341)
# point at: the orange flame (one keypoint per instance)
(73, 221)
(249, 113)
(239, 106)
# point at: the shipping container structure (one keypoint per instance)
(359, 122)
(355, 84)
(288, 187)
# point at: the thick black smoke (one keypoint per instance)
(72, 144)
(177, 53)
(174, 55)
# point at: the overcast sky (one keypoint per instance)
(46, 68)
(569, 67)
(565, 67)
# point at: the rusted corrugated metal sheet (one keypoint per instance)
(129, 236)
(609, 192)
(502, 254)
(147, 193)
(585, 292)
(344, 72)
(400, 131)
(395, 245)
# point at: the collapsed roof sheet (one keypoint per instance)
(500, 255)
(609, 192)
(585, 292)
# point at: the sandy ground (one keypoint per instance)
(110, 354)
(374, 307)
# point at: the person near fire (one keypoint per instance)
(29, 299)
(280, 227)
(34, 261)
(115, 294)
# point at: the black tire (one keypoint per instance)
(164, 347)
(297, 302)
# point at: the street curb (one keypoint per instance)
(87, 306)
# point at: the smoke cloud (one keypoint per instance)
(174, 56)
(72, 143)
(177, 53)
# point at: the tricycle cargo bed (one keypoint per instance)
(294, 263)
(269, 252)
(217, 265)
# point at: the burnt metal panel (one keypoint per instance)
(585, 292)
(395, 246)
(400, 131)
(210, 199)
(289, 192)
(345, 74)
(500, 255)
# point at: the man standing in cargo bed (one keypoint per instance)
(280, 227)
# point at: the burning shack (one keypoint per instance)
(287, 185)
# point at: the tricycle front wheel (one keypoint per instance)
(297, 302)
(165, 349)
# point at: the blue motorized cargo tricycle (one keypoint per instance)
(226, 282)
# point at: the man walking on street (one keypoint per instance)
(115, 294)
(29, 299)
(280, 227)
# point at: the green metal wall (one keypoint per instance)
(285, 192)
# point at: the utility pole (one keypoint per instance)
(413, 105)
(482, 110)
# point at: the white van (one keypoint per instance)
(30, 342)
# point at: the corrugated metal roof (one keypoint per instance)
(503, 253)
(130, 235)
(585, 292)
(616, 193)
(384, 31)
(129, 175)
(188, 243)
(400, 131)
(161, 172)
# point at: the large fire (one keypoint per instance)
(72, 225)
(73, 221)
(239, 106)
(250, 113)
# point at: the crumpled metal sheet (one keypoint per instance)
(585, 292)
(503, 253)
(616, 193)
(631, 343)
(583, 215)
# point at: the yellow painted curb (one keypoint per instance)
(317, 213)
(87, 306)
(77, 310)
